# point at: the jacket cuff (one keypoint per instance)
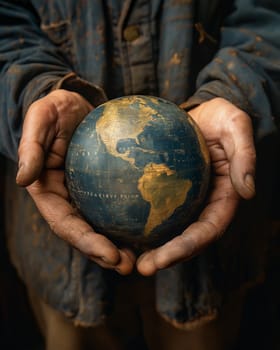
(212, 90)
(263, 125)
(191, 103)
(93, 93)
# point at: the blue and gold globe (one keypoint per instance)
(137, 169)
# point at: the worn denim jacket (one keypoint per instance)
(185, 51)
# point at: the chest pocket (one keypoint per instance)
(55, 21)
(60, 35)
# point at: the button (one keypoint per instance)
(131, 33)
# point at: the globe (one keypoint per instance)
(137, 169)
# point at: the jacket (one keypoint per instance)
(105, 49)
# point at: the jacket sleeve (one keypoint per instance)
(30, 66)
(246, 68)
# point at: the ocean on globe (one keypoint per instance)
(137, 169)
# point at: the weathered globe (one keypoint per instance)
(137, 169)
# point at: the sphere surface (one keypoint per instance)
(137, 168)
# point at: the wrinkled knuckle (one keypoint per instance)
(219, 234)
(250, 151)
(35, 188)
(52, 225)
(64, 228)
(238, 120)
(191, 244)
(252, 154)
(238, 117)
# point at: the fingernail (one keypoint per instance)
(118, 270)
(250, 183)
(19, 172)
(105, 260)
(108, 261)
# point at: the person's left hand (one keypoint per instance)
(229, 136)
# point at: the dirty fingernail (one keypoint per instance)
(106, 261)
(250, 182)
(19, 172)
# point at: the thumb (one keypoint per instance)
(37, 134)
(242, 156)
(30, 163)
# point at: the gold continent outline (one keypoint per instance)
(113, 124)
(160, 186)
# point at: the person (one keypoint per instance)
(61, 59)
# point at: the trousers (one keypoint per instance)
(135, 325)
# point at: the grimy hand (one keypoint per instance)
(229, 136)
(48, 126)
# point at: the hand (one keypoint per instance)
(229, 136)
(48, 126)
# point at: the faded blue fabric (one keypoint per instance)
(82, 46)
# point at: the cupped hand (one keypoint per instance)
(48, 126)
(229, 136)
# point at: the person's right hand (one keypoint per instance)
(48, 126)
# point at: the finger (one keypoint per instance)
(37, 135)
(231, 127)
(211, 224)
(239, 147)
(125, 265)
(47, 129)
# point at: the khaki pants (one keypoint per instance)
(135, 318)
